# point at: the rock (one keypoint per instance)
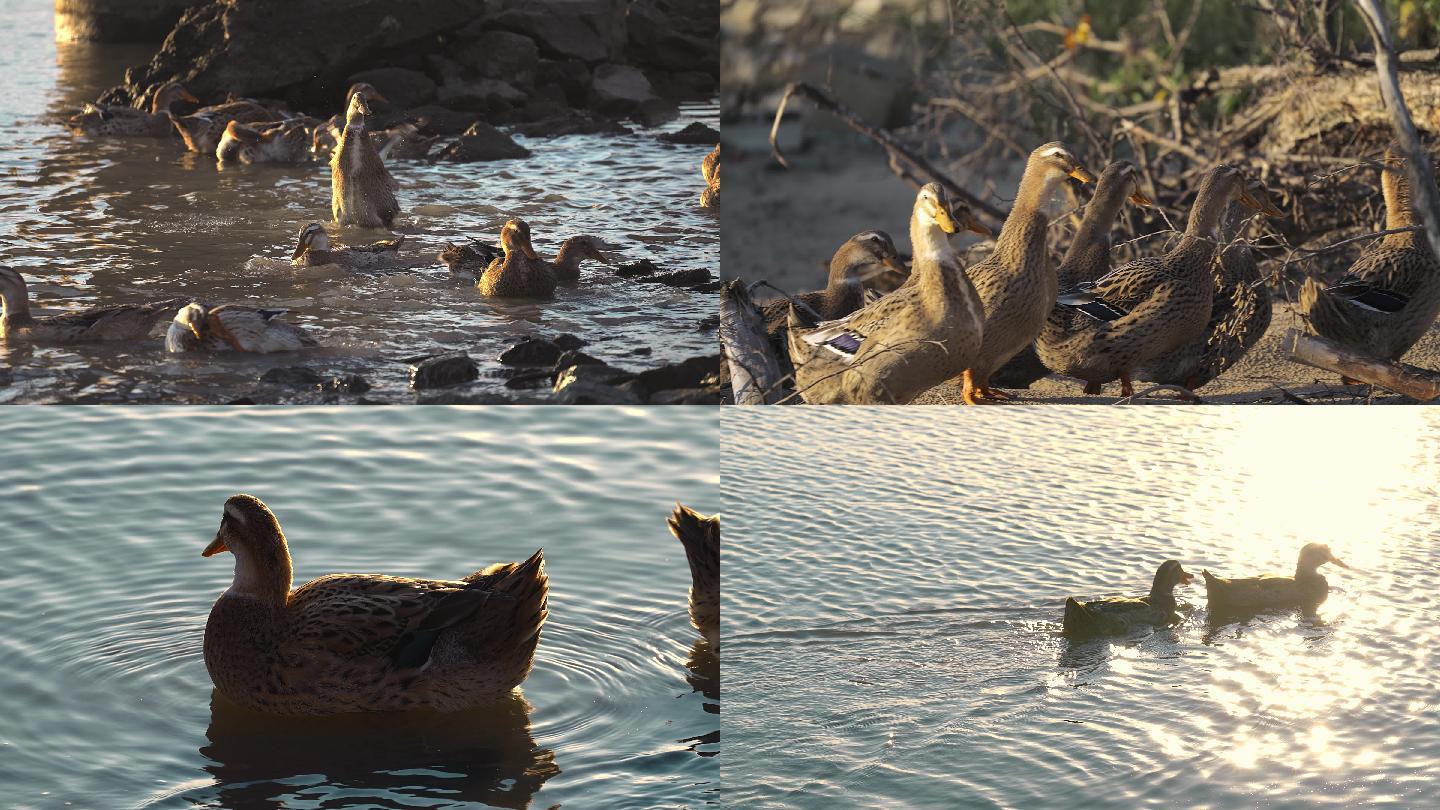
(696, 372)
(588, 30)
(570, 122)
(250, 48)
(642, 351)
(572, 76)
(481, 94)
(116, 20)
(570, 343)
(709, 324)
(293, 376)
(438, 120)
(694, 134)
(532, 379)
(403, 88)
(464, 398)
(501, 55)
(654, 112)
(532, 352)
(709, 395)
(644, 267)
(619, 89)
(673, 35)
(575, 357)
(674, 278)
(345, 384)
(690, 84)
(242, 401)
(483, 142)
(442, 371)
(594, 384)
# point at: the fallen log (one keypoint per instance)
(1411, 381)
(755, 374)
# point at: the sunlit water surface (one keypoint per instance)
(105, 221)
(893, 592)
(104, 596)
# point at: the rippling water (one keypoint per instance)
(893, 591)
(91, 222)
(104, 597)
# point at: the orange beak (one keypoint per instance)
(216, 546)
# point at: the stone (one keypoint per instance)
(401, 87)
(293, 376)
(345, 384)
(709, 395)
(673, 35)
(654, 112)
(619, 89)
(570, 343)
(570, 122)
(594, 384)
(588, 30)
(696, 372)
(572, 76)
(694, 134)
(483, 142)
(481, 95)
(574, 357)
(443, 370)
(532, 352)
(438, 120)
(503, 55)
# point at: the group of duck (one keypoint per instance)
(1306, 590)
(882, 333)
(369, 642)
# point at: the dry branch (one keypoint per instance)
(755, 375)
(1417, 383)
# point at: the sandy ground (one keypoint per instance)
(782, 226)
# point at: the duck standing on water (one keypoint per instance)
(1115, 615)
(364, 642)
(231, 327)
(314, 250)
(361, 190)
(700, 535)
(521, 273)
(98, 324)
(113, 119)
(1306, 590)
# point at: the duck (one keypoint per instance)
(520, 273)
(285, 142)
(1016, 282)
(572, 252)
(1087, 259)
(469, 259)
(700, 535)
(1116, 615)
(94, 325)
(203, 129)
(314, 249)
(1239, 315)
(710, 170)
(364, 642)
(404, 142)
(1153, 305)
(1308, 589)
(862, 257)
(903, 344)
(1391, 295)
(232, 327)
(361, 190)
(114, 119)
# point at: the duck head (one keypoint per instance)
(356, 111)
(585, 247)
(168, 94)
(1167, 576)
(312, 237)
(932, 207)
(1314, 555)
(366, 91)
(516, 236)
(191, 318)
(1395, 183)
(864, 256)
(1218, 188)
(1122, 178)
(1054, 161)
(249, 530)
(14, 298)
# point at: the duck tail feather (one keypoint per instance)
(700, 535)
(1074, 616)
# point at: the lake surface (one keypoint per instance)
(104, 597)
(893, 594)
(104, 221)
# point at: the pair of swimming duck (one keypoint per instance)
(369, 642)
(515, 269)
(1306, 590)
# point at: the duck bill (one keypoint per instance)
(216, 546)
(1140, 199)
(1336, 561)
(604, 258)
(186, 95)
(895, 265)
(1263, 206)
(300, 249)
(1083, 176)
(974, 225)
(945, 221)
(529, 251)
(1185, 578)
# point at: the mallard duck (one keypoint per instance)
(1115, 615)
(898, 347)
(572, 252)
(113, 119)
(404, 142)
(1016, 282)
(285, 142)
(1239, 316)
(1391, 295)
(203, 129)
(361, 190)
(1087, 259)
(863, 256)
(232, 327)
(98, 324)
(364, 642)
(314, 249)
(1307, 589)
(1153, 305)
(469, 259)
(710, 170)
(521, 273)
(700, 535)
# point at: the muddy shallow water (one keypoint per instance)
(105, 221)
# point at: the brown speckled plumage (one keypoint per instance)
(99, 324)
(361, 190)
(109, 119)
(521, 273)
(863, 256)
(314, 249)
(700, 535)
(364, 642)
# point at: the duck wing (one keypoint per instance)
(249, 329)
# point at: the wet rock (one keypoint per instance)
(468, 398)
(292, 376)
(570, 343)
(654, 112)
(571, 122)
(709, 324)
(674, 278)
(532, 379)
(588, 30)
(594, 384)
(710, 395)
(571, 75)
(532, 352)
(644, 267)
(438, 120)
(696, 372)
(690, 84)
(673, 35)
(442, 371)
(696, 134)
(403, 88)
(483, 142)
(501, 55)
(242, 401)
(713, 286)
(642, 351)
(345, 384)
(481, 94)
(619, 89)
(577, 358)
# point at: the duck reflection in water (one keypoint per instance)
(485, 755)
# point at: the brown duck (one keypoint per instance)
(1391, 295)
(710, 170)
(111, 119)
(361, 190)
(232, 327)
(285, 142)
(1306, 590)
(98, 324)
(700, 535)
(314, 249)
(364, 642)
(520, 273)
(1017, 281)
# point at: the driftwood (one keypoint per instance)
(755, 374)
(1417, 383)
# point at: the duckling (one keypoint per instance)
(364, 642)
(700, 535)
(314, 249)
(521, 273)
(1115, 615)
(1017, 281)
(282, 143)
(232, 327)
(111, 119)
(98, 324)
(1391, 295)
(361, 190)
(1306, 590)
(862, 257)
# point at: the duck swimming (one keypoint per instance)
(1115, 615)
(521, 273)
(314, 249)
(700, 535)
(1307, 589)
(364, 642)
(232, 327)
(94, 325)
(114, 119)
(361, 190)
